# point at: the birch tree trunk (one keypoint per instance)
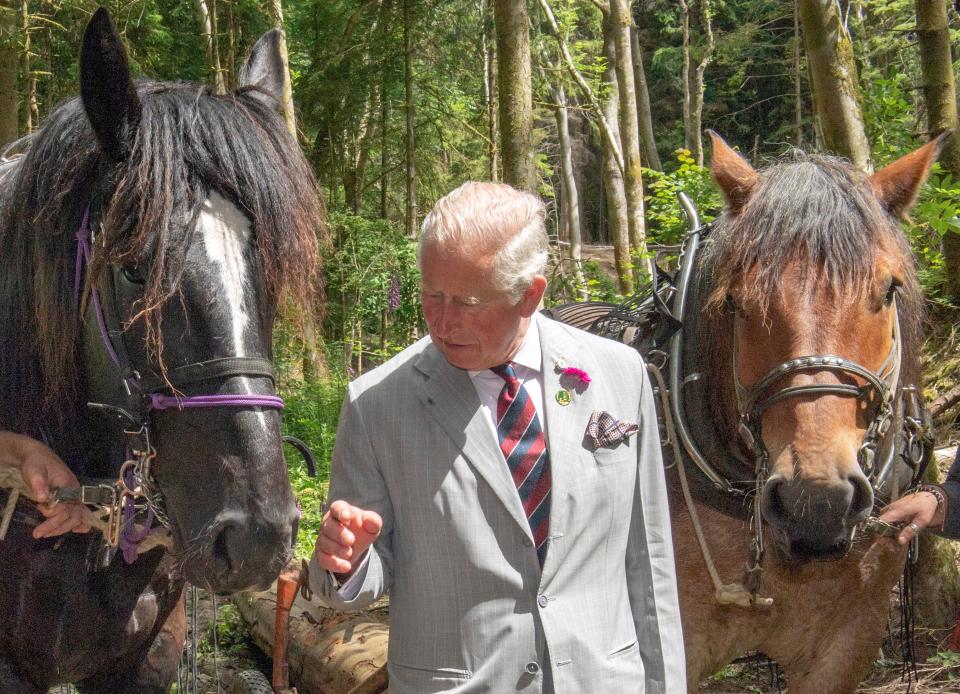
(686, 60)
(940, 96)
(620, 23)
(31, 116)
(648, 144)
(696, 111)
(207, 24)
(797, 94)
(613, 189)
(833, 82)
(571, 198)
(411, 150)
(490, 90)
(515, 92)
(286, 99)
(9, 97)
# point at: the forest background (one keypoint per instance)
(599, 106)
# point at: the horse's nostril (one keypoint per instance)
(771, 503)
(219, 551)
(247, 551)
(861, 503)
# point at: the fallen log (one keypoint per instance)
(328, 652)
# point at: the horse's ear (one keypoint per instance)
(898, 184)
(263, 69)
(106, 87)
(733, 173)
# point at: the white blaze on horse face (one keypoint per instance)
(226, 234)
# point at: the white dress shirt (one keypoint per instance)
(528, 365)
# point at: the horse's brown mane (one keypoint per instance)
(807, 208)
(188, 141)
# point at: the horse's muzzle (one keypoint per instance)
(815, 520)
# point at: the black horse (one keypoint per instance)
(203, 217)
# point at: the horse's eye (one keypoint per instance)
(133, 274)
(732, 305)
(891, 291)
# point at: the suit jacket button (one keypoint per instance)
(542, 601)
(532, 668)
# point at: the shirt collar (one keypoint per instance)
(528, 354)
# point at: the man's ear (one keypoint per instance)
(530, 301)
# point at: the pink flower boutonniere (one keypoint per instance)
(577, 374)
(571, 379)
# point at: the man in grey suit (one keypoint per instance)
(502, 479)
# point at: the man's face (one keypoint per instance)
(473, 324)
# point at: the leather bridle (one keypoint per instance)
(754, 400)
(135, 488)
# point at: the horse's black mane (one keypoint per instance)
(188, 141)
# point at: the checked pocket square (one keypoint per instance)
(605, 430)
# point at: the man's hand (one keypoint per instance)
(918, 511)
(42, 472)
(345, 535)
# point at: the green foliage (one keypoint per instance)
(226, 635)
(949, 662)
(889, 116)
(372, 283)
(666, 222)
(311, 414)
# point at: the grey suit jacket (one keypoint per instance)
(470, 609)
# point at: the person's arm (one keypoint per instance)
(42, 472)
(651, 571)
(355, 483)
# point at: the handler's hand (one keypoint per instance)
(918, 511)
(345, 535)
(42, 472)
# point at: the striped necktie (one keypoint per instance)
(525, 448)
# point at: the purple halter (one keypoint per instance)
(155, 401)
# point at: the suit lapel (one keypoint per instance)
(565, 424)
(451, 399)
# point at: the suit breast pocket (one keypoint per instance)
(621, 454)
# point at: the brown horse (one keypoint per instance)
(791, 405)
(806, 312)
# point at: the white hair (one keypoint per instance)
(480, 216)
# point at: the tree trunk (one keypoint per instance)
(833, 82)
(620, 23)
(648, 144)
(696, 111)
(515, 93)
(411, 163)
(940, 97)
(30, 115)
(384, 142)
(286, 99)
(797, 94)
(612, 174)
(686, 60)
(571, 198)
(231, 66)
(9, 97)
(207, 24)
(490, 91)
